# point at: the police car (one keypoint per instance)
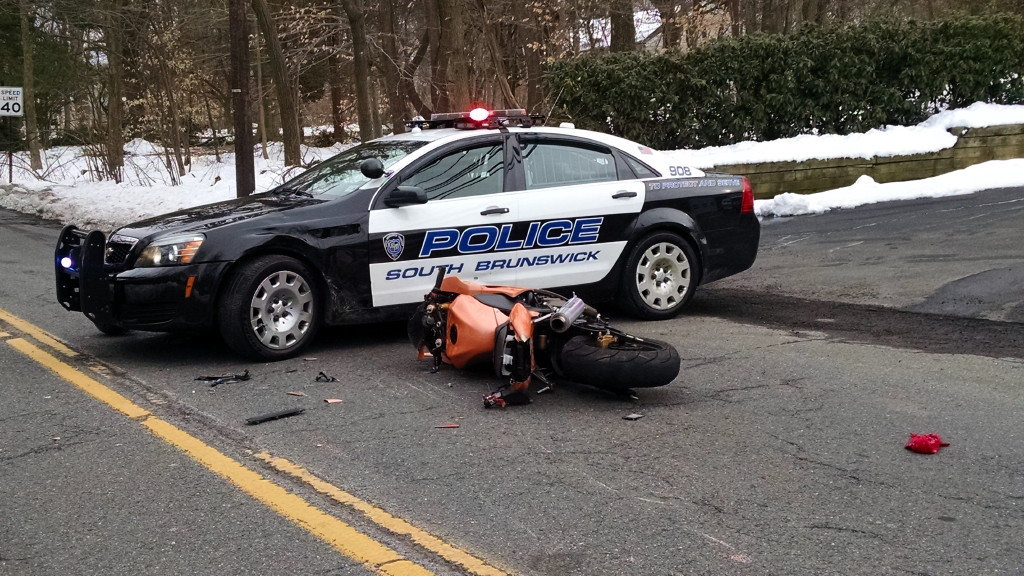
(490, 196)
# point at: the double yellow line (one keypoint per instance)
(372, 554)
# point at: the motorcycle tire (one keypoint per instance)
(620, 366)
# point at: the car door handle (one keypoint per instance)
(494, 210)
(624, 194)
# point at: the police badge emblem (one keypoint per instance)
(394, 244)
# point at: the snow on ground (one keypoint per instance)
(66, 191)
(928, 136)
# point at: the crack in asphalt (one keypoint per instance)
(923, 332)
(54, 446)
(844, 472)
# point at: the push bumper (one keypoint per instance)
(160, 299)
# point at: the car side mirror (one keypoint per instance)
(372, 168)
(405, 195)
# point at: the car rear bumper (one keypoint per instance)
(733, 250)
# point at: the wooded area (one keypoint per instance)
(105, 71)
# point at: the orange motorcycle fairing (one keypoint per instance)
(457, 285)
(469, 334)
(520, 321)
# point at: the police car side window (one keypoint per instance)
(549, 164)
(466, 172)
(641, 170)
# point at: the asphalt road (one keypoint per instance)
(778, 451)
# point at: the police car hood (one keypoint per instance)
(220, 214)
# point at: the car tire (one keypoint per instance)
(660, 276)
(270, 308)
(620, 365)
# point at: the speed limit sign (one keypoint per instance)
(12, 101)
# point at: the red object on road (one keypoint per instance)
(925, 443)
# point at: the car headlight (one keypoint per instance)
(170, 251)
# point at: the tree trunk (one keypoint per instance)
(530, 41)
(115, 87)
(213, 130)
(391, 67)
(453, 29)
(497, 58)
(623, 26)
(772, 16)
(375, 119)
(409, 70)
(356, 21)
(749, 12)
(261, 103)
(174, 117)
(260, 100)
(671, 17)
(440, 54)
(336, 83)
(31, 127)
(285, 100)
(245, 171)
(735, 20)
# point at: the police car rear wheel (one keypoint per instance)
(270, 309)
(660, 276)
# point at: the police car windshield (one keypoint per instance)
(340, 175)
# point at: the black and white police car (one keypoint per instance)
(489, 196)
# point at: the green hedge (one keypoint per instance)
(764, 87)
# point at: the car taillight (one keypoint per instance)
(747, 203)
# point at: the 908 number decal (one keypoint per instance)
(679, 171)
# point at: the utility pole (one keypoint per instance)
(245, 169)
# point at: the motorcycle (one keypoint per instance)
(528, 334)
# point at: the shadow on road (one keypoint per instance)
(931, 333)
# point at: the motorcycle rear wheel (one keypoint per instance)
(620, 366)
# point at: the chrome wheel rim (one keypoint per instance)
(281, 311)
(663, 276)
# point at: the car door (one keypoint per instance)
(466, 213)
(580, 200)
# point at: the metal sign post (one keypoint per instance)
(12, 103)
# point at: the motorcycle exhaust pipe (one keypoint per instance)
(562, 319)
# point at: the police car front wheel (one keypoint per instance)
(270, 308)
(660, 276)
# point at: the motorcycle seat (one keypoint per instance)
(500, 302)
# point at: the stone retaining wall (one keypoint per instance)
(974, 145)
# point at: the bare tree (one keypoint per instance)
(239, 83)
(285, 99)
(528, 34)
(490, 33)
(31, 129)
(391, 66)
(357, 24)
(113, 31)
(622, 24)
